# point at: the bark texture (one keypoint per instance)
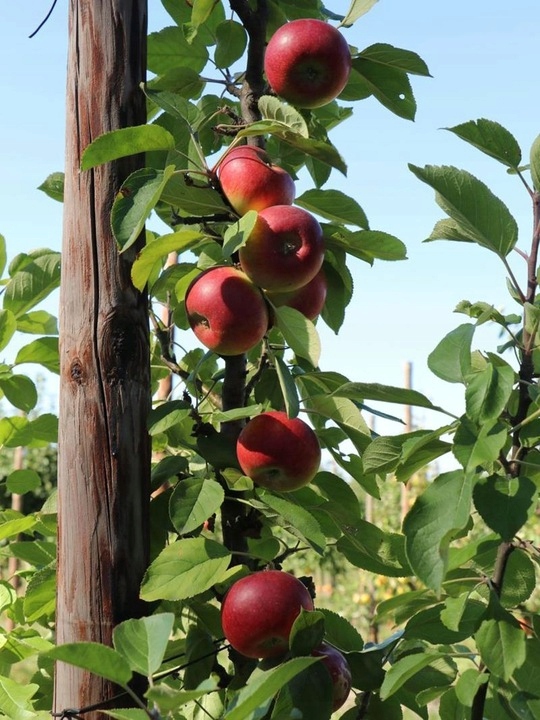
(104, 452)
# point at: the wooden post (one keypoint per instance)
(104, 452)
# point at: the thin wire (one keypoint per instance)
(42, 23)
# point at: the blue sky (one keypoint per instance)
(483, 58)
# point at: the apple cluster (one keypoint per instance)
(307, 63)
(257, 616)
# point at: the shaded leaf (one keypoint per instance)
(535, 163)
(43, 351)
(263, 687)
(159, 248)
(136, 199)
(504, 503)
(430, 525)
(389, 85)
(231, 41)
(488, 392)
(404, 669)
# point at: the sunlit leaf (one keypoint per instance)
(96, 658)
(480, 214)
(143, 641)
(126, 141)
(491, 138)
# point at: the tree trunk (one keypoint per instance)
(104, 452)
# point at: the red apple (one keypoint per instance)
(250, 181)
(259, 610)
(309, 299)
(278, 452)
(339, 670)
(285, 249)
(307, 62)
(226, 311)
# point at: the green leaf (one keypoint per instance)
(474, 446)
(356, 10)
(264, 686)
(22, 481)
(272, 108)
(404, 669)
(40, 597)
(189, 198)
(481, 215)
(492, 139)
(98, 659)
(391, 56)
(519, 579)
(535, 163)
(502, 644)
(170, 699)
(15, 699)
(297, 517)
(193, 501)
(136, 199)
(448, 229)
(15, 431)
(367, 546)
(231, 42)
(451, 359)
(430, 525)
(389, 85)
(427, 624)
(3, 254)
(318, 149)
(333, 205)
(340, 632)
(504, 503)
(169, 48)
(43, 351)
(183, 82)
(8, 326)
(20, 391)
(159, 248)
(299, 333)
(488, 392)
(307, 695)
(32, 282)
(237, 234)
(143, 642)
(39, 322)
(16, 525)
(126, 141)
(288, 387)
(307, 632)
(167, 415)
(184, 569)
(384, 393)
(53, 186)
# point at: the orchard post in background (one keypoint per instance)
(105, 389)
